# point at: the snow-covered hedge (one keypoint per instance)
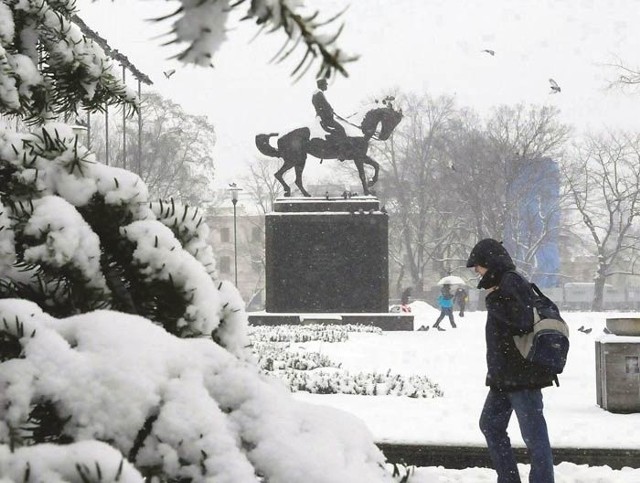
(77, 235)
(85, 462)
(122, 356)
(177, 408)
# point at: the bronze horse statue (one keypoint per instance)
(294, 147)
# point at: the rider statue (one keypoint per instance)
(325, 112)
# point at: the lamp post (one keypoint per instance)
(234, 199)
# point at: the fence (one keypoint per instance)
(579, 296)
(572, 296)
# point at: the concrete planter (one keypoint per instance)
(618, 373)
(624, 326)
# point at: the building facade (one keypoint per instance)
(247, 250)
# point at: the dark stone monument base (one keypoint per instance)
(387, 322)
(327, 256)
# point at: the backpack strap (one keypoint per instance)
(537, 291)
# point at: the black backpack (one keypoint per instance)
(548, 343)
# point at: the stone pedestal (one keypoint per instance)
(618, 373)
(328, 256)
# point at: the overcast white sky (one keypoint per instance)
(413, 45)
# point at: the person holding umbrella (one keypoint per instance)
(445, 302)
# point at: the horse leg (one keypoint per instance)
(376, 168)
(279, 176)
(299, 169)
(361, 173)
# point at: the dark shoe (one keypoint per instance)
(461, 314)
(454, 326)
(439, 328)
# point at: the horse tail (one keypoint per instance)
(263, 145)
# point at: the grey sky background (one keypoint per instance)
(410, 45)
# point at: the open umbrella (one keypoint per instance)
(451, 280)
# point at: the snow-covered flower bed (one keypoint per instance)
(281, 352)
(361, 383)
(276, 357)
(309, 332)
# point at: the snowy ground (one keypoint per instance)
(455, 360)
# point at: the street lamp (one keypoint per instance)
(234, 199)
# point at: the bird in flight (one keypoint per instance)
(169, 73)
(490, 52)
(555, 88)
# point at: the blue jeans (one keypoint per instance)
(494, 421)
(448, 311)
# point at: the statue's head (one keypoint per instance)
(322, 83)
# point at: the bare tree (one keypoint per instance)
(450, 179)
(176, 156)
(413, 186)
(526, 132)
(525, 141)
(263, 189)
(603, 179)
(261, 183)
(503, 180)
(475, 180)
(625, 75)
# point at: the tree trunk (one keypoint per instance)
(598, 290)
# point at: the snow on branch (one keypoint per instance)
(78, 462)
(202, 25)
(77, 235)
(48, 67)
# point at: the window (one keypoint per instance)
(256, 234)
(632, 365)
(225, 235)
(225, 264)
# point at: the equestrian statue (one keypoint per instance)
(294, 146)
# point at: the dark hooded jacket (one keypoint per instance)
(509, 313)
